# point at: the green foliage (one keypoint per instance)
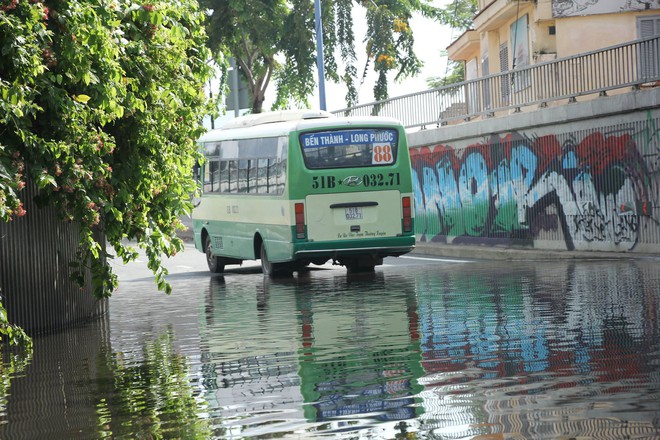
(259, 33)
(457, 75)
(101, 105)
(458, 15)
(13, 335)
(12, 364)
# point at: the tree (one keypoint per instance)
(458, 15)
(274, 39)
(456, 75)
(101, 105)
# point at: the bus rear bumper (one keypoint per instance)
(338, 249)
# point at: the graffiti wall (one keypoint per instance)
(570, 8)
(592, 189)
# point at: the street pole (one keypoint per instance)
(234, 87)
(319, 53)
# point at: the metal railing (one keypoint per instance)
(626, 65)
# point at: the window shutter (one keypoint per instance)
(649, 27)
(504, 67)
(649, 52)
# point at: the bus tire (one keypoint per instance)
(215, 266)
(267, 268)
(303, 266)
(357, 268)
(362, 264)
(270, 269)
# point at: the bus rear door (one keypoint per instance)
(359, 198)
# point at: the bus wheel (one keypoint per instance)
(357, 268)
(271, 269)
(213, 262)
(266, 265)
(362, 264)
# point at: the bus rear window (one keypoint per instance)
(363, 147)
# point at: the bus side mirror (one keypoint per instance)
(196, 172)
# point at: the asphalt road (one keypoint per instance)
(192, 263)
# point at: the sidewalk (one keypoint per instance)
(484, 252)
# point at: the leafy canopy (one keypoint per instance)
(275, 40)
(458, 15)
(100, 105)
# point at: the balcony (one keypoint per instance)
(616, 68)
(497, 14)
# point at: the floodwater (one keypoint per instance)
(428, 349)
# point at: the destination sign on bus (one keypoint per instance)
(347, 137)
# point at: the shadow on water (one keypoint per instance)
(490, 350)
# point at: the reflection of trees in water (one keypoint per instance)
(11, 363)
(152, 398)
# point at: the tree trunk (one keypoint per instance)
(257, 101)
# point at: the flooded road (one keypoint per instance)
(422, 348)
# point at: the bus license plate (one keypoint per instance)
(354, 213)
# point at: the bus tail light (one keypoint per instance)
(300, 220)
(407, 214)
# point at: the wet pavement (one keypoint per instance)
(422, 348)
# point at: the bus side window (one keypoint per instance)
(282, 149)
(281, 176)
(208, 182)
(243, 176)
(272, 175)
(252, 176)
(233, 176)
(224, 176)
(262, 176)
(215, 175)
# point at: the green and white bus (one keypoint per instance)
(297, 187)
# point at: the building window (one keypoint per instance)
(505, 87)
(520, 44)
(649, 58)
(485, 71)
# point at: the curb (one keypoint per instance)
(485, 252)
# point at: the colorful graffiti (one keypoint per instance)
(572, 8)
(589, 190)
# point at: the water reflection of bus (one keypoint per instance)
(248, 355)
(352, 350)
(360, 349)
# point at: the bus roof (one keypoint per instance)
(281, 123)
(272, 117)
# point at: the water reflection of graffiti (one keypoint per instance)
(499, 349)
(582, 190)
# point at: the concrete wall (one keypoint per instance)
(581, 177)
(577, 35)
